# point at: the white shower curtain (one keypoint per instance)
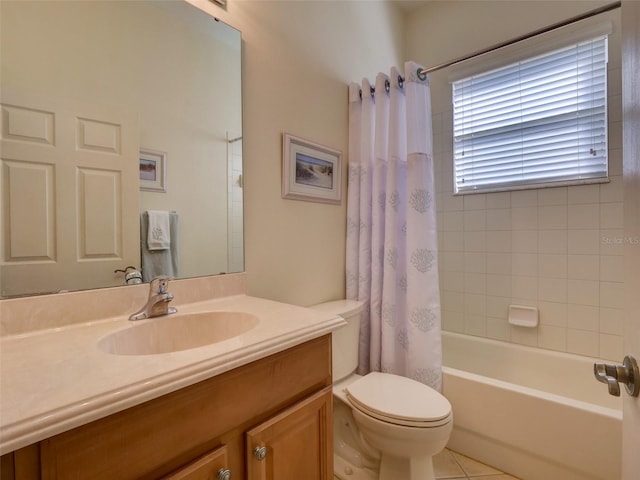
(391, 231)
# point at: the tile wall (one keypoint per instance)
(559, 249)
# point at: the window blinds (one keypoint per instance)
(534, 123)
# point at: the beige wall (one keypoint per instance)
(296, 69)
(298, 58)
(554, 248)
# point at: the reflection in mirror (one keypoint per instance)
(112, 110)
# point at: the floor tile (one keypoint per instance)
(445, 466)
(501, 476)
(474, 468)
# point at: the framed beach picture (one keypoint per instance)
(153, 173)
(310, 171)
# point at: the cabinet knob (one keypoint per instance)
(224, 474)
(260, 453)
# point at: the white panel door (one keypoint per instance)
(69, 181)
(631, 161)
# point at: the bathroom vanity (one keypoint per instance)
(268, 419)
(255, 406)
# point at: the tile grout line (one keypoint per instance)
(455, 459)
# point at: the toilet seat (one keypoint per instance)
(399, 400)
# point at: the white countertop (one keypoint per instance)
(57, 379)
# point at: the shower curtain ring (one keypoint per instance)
(422, 74)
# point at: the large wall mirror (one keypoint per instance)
(121, 144)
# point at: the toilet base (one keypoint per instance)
(343, 470)
(350, 460)
(415, 468)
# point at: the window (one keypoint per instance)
(539, 122)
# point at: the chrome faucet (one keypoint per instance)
(158, 301)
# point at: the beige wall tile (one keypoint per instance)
(552, 313)
(584, 267)
(583, 194)
(583, 342)
(552, 266)
(553, 196)
(552, 241)
(498, 200)
(552, 217)
(583, 317)
(524, 198)
(552, 338)
(552, 289)
(583, 292)
(584, 216)
(611, 215)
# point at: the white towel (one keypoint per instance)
(159, 236)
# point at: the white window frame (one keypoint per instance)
(532, 48)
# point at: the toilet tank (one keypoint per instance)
(345, 340)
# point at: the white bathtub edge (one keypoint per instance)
(596, 409)
(508, 459)
(530, 433)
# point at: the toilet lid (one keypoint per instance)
(399, 400)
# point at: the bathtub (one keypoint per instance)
(536, 414)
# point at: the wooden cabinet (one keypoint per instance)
(296, 444)
(211, 466)
(281, 402)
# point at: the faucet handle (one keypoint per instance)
(159, 285)
(628, 373)
(607, 374)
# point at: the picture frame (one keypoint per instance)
(153, 170)
(310, 171)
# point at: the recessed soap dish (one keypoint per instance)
(523, 316)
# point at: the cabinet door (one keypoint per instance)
(295, 444)
(211, 466)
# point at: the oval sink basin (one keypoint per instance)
(173, 333)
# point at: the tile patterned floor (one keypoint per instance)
(451, 465)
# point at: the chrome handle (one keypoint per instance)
(607, 374)
(260, 453)
(613, 375)
(133, 277)
(159, 285)
(224, 474)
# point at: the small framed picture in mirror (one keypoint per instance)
(153, 170)
(310, 171)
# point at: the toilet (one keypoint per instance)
(385, 426)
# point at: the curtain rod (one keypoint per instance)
(422, 74)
